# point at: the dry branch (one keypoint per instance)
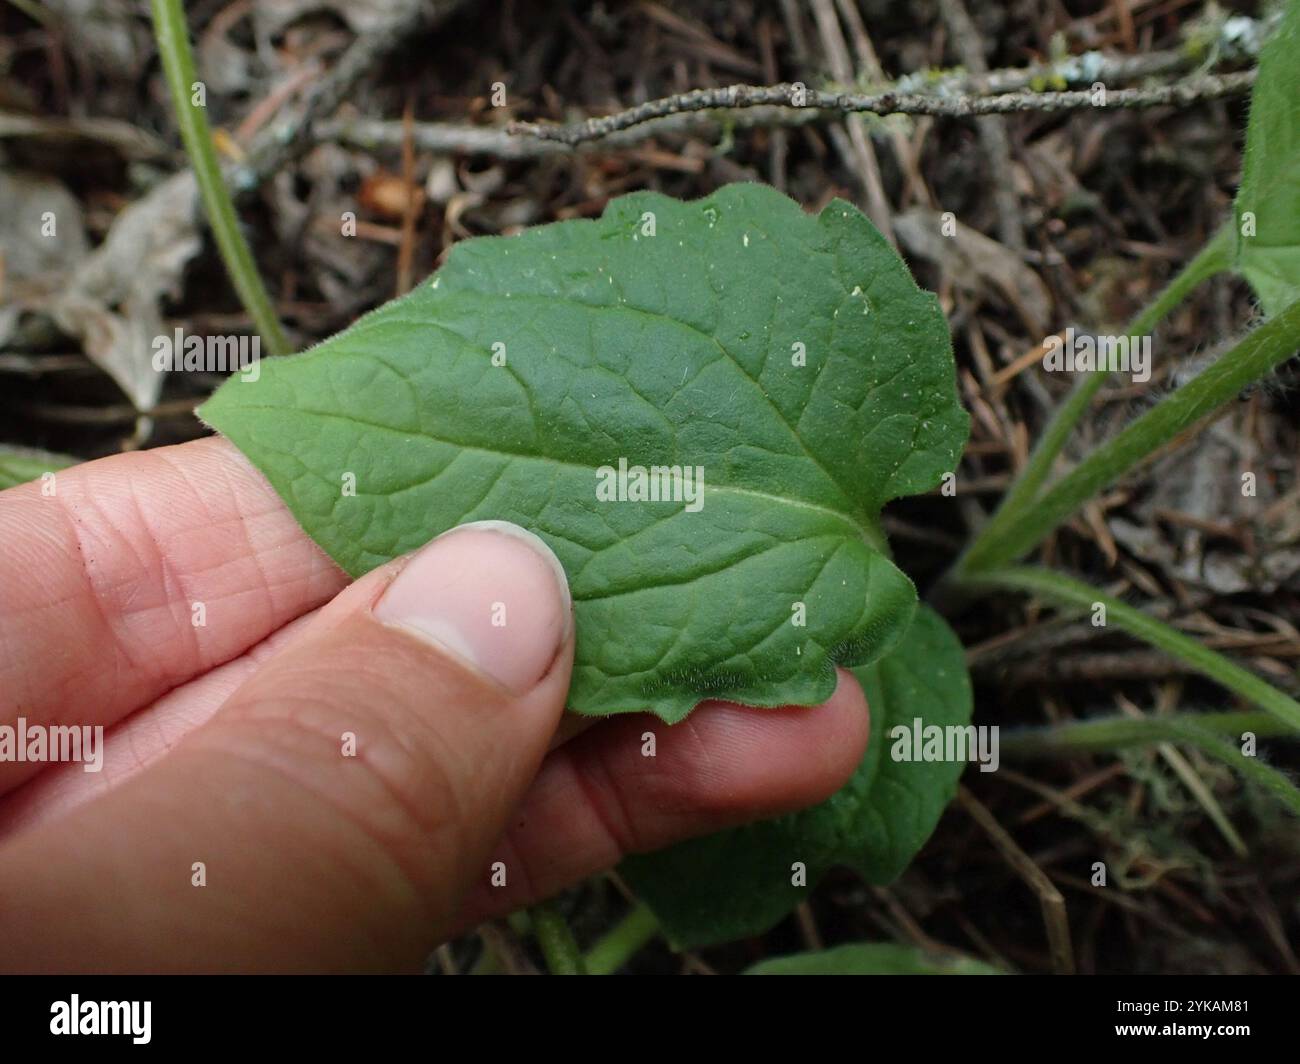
(799, 97)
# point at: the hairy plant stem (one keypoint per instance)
(1105, 734)
(622, 942)
(1258, 353)
(1073, 594)
(1204, 731)
(178, 65)
(556, 941)
(1213, 258)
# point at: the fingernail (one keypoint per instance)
(489, 593)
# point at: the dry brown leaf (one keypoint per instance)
(974, 262)
(113, 299)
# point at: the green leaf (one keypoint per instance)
(873, 958)
(1267, 207)
(21, 464)
(738, 883)
(663, 334)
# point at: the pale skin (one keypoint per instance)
(223, 742)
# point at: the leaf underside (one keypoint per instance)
(664, 334)
(738, 883)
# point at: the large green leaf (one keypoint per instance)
(791, 357)
(873, 958)
(1268, 203)
(739, 882)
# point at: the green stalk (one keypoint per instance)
(1074, 594)
(1104, 734)
(1213, 258)
(178, 65)
(1200, 730)
(1266, 777)
(1262, 349)
(622, 942)
(556, 941)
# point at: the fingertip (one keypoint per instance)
(763, 762)
(826, 743)
(603, 795)
(849, 717)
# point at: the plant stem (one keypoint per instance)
(178, 65)
(556, 940)
(621, 943)
(1262, 349)
(1213, 258)
(1201, 730)
(1074, 594)
(1104, 734)
(1262, 775)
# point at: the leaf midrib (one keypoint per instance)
(870, 536)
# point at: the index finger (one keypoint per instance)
(127, 576)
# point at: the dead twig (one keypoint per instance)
(1049, 898)
(411, 206)
(1179, 93)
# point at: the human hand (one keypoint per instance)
(226, 755)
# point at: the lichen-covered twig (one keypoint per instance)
(1237, 41)
(800, 97)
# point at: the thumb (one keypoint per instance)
(338, 807)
